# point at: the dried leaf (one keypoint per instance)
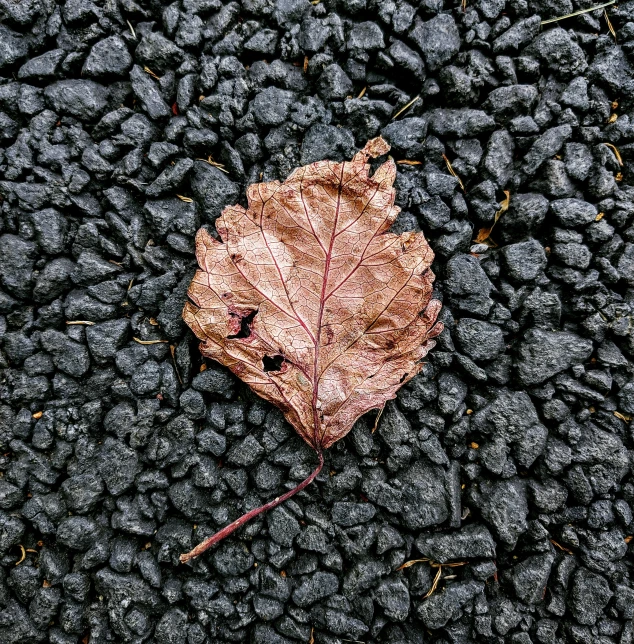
(310, 300)
(485, 233)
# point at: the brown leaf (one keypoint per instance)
(310, 300)
(484, 233)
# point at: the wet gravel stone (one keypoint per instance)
(509, 455)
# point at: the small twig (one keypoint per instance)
(405, 107)
(362, 92)
(409, 162)
(578, 13)
(150, 341)
(84, 322)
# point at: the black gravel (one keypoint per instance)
(510, 454)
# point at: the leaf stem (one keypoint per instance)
(238, 523)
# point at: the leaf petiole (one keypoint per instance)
(238, 523)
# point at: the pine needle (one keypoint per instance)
(185, 199)
(215, 164)
(452, 172)
(173, 352)
(150, 341)
(431, 591)
(84, 322)
(433, 564)
(484, 233)
(23, 557)
(378, 418)
(131, 29)
(409, 162)
(411, 562)
(405, 107)
(578, 13)
(147, 70)
(614, 149)
(610, 27)
(558, 545)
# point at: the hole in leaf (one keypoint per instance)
(403, 377)
(272, 363)
(245, 327)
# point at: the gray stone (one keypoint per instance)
(472, 541)
(543, 354)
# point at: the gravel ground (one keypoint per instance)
(510, 454)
